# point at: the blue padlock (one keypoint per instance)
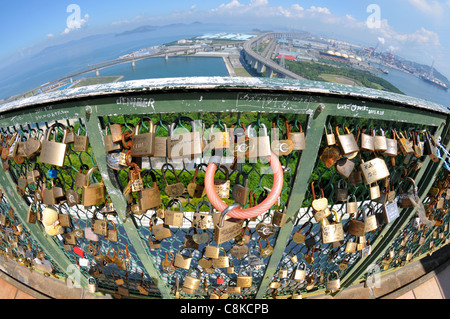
(52, 173)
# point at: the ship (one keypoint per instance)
(434, 81)
(429, 78)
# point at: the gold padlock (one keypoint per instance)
(332, 232)
(221, 261)
(374, 170)
(182, 261)
(226, 230)
(93, 194)
(347, 142)
(143, 144)
(243, 281)
(52, 152)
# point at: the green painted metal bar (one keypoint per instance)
(117, 198)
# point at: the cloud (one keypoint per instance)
(74, 24)
(50, 35)
(431, 7)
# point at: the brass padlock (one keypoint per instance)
(202, 220)
(333, 285)
(93, 194)
(173, 190)
(405, 145)
(168, 266)
(391, 145)
(347, 142)
(92, 285)
(350, 246)
(221, 261)
(281, 147)
(219, 139)
(195, 190)
(370, 220)
(320, 205)
(352, 206)
(367, 141)
(374, 170)
(212, 251)
(222, 186)
(52, 152)
(81, 142)
(182, 261)
(80, 179)
(341, 191)
(330, 137)
(110, 144)
(332, 232)
(345, 166)
(356, 226)
(226, 230)
(161, 141)
(374, 191)
(298, 237)
(241, 191)
(192, 283)
(172, 217)
(185, 145)
(243, 281)
(298, 138)
(143, 144)
(149, 197)
(266, 251)
(259, 145)
(279, 217)
(299, 274)
(379, 141)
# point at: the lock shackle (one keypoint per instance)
(226, 211)
(172, 168)
(204, 202)
(197, 169)
(151, 129)
(88, 175)
(314, 193)
(244, 178)
(175, 201)
(251, 212)
(267, 241)
(54, 128)
(251, 131)
(152, 175)
(225, 170)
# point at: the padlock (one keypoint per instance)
(72, 197)
(370, 220)
(32, 146)
(298, 237)
(243, 281)
(173, 190)
(202, 220)
(298, 138)
(92, 285)
(341, 191)
(80, 179)
(418, 145)
(347, 142)
(259, 145)
(430, 147)
(309, 256)
(333, 285)
(111, 234)
(390, 212)
(356, 226)
(188, 241)
(330, 137)
(69, 136)
(222, 186)
(195, 190)
(161, 141)
(53, 152)
(168, 266)
(355, 178)
(161, 231)
(266, 251)
(135, 178)
(143, 144)
(379, 141)
(352, 206)
(410, 198)
(391, 145)
(330, 155)
(185, 145)
(226, 230)
(221, 261)
(211, 251)
(281, 147)
(374, 191)
(241, 191)
(172, 217)
(299, 274)
(320, 205)
(367, 141)
(279, 217)
(374, 170)
(48, 196)
(404, 144)
(182, 261)
(345, 166)
(149, 197)
(81, 142)
(219, 139)
(283, 272)
(332, 232)
(92, 194)
(350, 246)
(99, 226)
(109, 143)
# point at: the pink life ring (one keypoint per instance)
(251, 212)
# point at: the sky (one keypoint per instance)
(414, 29)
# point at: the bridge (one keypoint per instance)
(263, 63)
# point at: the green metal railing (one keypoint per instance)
(222, 102)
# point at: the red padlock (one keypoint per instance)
(220, 280)
(78, 251)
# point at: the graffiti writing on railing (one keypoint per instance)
(359, 108)
(136, 102)
(273, 101)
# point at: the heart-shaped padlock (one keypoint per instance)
(239, 251)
